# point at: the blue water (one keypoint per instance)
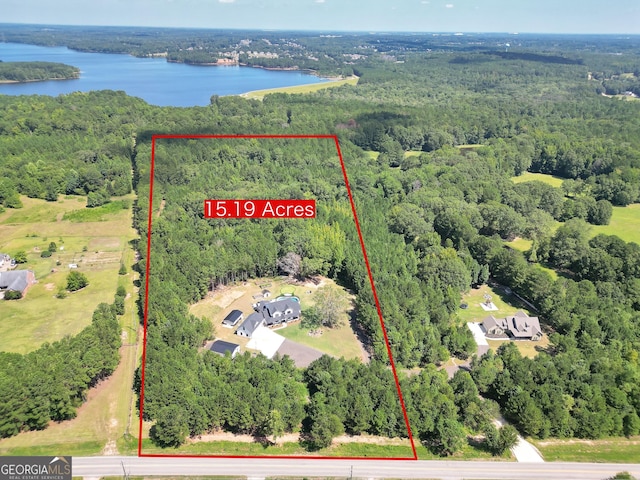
(152, 79)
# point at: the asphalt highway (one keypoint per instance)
(95, 467)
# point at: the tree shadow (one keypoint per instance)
(360, 333)
(263, 441)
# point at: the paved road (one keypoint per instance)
(94, 467)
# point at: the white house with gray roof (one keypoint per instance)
(518, 326)
(271, 314)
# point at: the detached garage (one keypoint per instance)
(221, 348)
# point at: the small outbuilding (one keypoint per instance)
(234, 317)
(222, 348)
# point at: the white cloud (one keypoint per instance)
(319, 1)
(226, 1)
(449, 5)
(425, 2)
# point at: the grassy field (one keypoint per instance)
(520, 244)
(527, 348)
(625, 223)
(339, 342)
(298, 89)
(542, 177)
(507, 304)
(393, 449)
(97, 248)
(286, 448)
(614, 450)
(108, 413)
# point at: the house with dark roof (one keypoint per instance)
(518, 326)
(270, 314)
(222, 348)
(17, 281)
(234, 317)
(281, 311)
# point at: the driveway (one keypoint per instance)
(300, 354)
(523, 450)
(266, 341)
(478, 336)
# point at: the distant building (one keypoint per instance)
(518, 326)
(234, 317)
(17, 281)
(222, 348)
(4, 258)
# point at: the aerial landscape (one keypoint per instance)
(247, 239)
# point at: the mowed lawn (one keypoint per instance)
(541, 177)
(96, 247)
(625, 223)
(298, 89)
(507, 304)
(613, 450)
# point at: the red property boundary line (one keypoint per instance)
(366, 261)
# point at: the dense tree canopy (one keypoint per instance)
(434, 223)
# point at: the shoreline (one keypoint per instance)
(38, 80)
(330, 83)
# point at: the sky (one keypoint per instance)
(522, 16)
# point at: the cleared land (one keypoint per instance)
(365, 446)
(340, 341)
(520, 244)
(625, 223)
(542, 177)
(109, 412)
(96, 247)
(313, 87)
(614, 450)
(507, 305)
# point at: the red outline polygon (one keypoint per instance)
(373, 288)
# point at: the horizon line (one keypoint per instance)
(316, 30)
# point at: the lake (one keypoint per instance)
(155, 80)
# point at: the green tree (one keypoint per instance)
(20, 257)
(275, 425)
(171, 428)
(331, 303)
(76, 281)
(12, 295)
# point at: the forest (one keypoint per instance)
(36, 71)
(51, 382)
(435, 224)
